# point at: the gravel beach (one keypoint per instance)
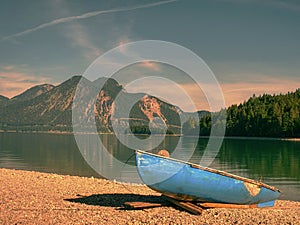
(41, 198)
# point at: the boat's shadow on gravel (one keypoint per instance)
(116, 200)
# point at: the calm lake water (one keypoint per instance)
(277, 162)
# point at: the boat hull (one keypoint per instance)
(188, 182)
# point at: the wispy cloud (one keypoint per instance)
(237, 92)
(150, 65)
(8, 68)
(83, 16)
(13, 82)
(79, 37)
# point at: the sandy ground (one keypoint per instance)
(41, 198)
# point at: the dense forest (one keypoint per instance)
(261, 116)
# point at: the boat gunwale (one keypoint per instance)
(220, 172)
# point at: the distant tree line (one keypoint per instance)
(266, 115)
(18, 127)
(262, 116)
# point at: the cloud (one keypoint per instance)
(150, 65)
(79, 37)
(8, 67)
(238, 92)
(122, 45)
(83, 16)
(13, 83)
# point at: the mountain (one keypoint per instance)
(33, 92)
(48, 107)
(119, 110)
(51, 108)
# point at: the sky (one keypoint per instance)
(252, 46)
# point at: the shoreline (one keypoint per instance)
(290, 139)
(30, 197)
(295, 139)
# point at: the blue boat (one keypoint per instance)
(186, 181)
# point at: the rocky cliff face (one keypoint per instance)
(151, 108)
(48, 107)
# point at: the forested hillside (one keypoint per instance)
(262, 116)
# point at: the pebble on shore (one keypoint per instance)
(42, 198)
